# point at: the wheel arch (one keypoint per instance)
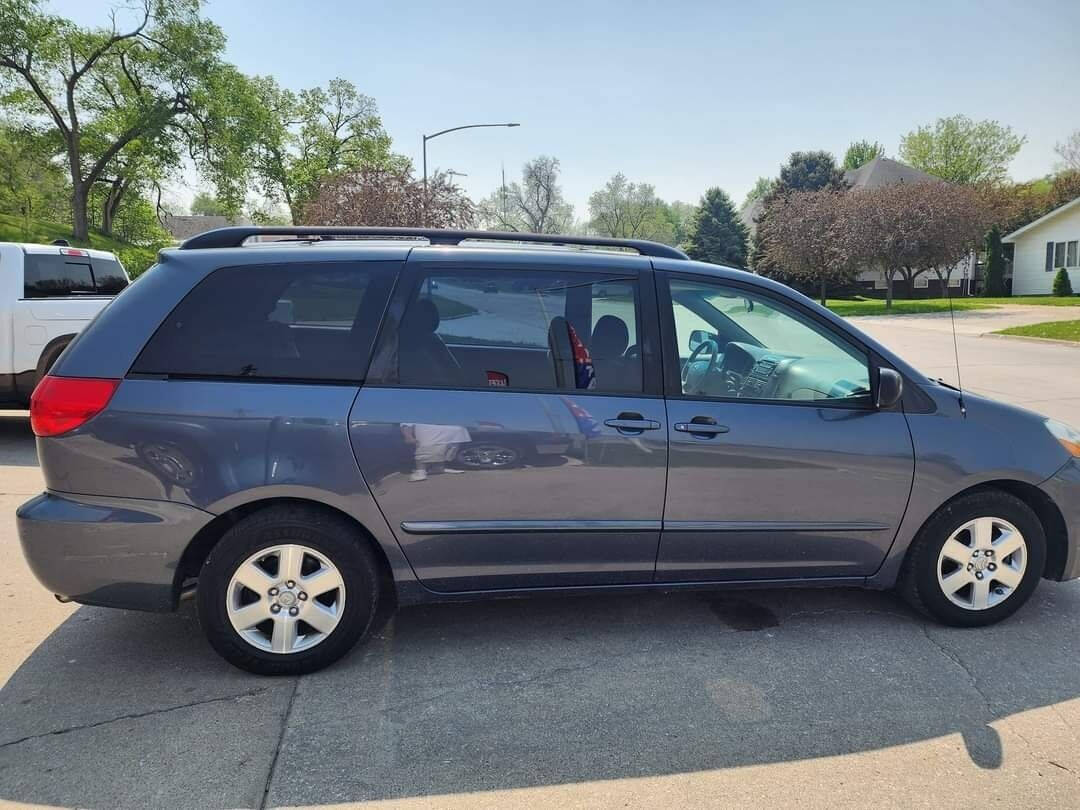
(207, 538)
(1048, 513)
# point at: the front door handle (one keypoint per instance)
(628, 422)
(702, 427)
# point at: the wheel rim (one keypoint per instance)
(285, 599)
(982, 563)
(487, 456)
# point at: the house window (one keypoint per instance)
(954, 281)
(1070, 254)
(1059, 254)
(922, 282)
(879, 283)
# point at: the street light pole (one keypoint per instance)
(427, 138)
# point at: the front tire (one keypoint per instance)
(976, 561)
(288, 590)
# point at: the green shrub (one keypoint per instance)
(1062, 285)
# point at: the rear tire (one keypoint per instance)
(976, 561)
(333, 582)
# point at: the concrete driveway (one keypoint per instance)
(755, 698)
(1041, 376)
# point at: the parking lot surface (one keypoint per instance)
(741, 698)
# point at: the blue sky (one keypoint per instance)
(682, 95)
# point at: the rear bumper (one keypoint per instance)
(113, 552)
(1064, 489)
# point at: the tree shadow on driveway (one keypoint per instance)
(124, 709)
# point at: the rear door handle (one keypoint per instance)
(701, 428)
(632, 423)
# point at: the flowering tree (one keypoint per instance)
(388, 196)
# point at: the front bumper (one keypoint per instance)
(1064, 490)
(113, 552)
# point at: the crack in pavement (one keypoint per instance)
(280, 743)
(955, 659)
(136, 716)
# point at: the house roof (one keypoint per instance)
(184, 227)
(882, 171)
(1059, 210)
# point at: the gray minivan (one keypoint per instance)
(297, 431)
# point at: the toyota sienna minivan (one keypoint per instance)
(294, 432)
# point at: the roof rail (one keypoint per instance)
(236, 236)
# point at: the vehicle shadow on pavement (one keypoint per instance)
(17, 440)
(125, 709)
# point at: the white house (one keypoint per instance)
(1043, 247)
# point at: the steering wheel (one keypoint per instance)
(714, 354)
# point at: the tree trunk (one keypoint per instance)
(79, 227)
(888, 289)
(117, 188)
(823, 291)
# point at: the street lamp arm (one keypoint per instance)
(467, 126)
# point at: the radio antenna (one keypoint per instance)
(956, 350)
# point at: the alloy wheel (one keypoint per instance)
(982, 563)
(285, 599)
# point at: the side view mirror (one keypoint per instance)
(890, 388)
(697, 337)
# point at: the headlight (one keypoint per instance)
(1068, 436)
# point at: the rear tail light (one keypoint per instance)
(60, 404)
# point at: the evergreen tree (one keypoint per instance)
(1062, 285)
(717, 234)
(994, 284)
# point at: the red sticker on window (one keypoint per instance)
(496, 379)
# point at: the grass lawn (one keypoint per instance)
(1057, 330)
(12, 230)
(135, 258)
(904, 306)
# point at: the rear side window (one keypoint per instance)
(311, 321)
(109, 278)
(50, 275)
(536, 330)
(47, 275)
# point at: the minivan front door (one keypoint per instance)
(512, 427)
(780, 466)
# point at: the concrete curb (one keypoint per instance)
(1075, 344)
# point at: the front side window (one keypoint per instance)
(734, 344)
(543, 330)
(297, 321)
(1070, 254)
(1059, 254)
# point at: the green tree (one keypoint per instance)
(306, 137)
(862, 152)
(717, 234)
(762, 187)
(207, 205)
(960, 150)
(628, 210)
(994, 282)
(32, 186)
(109, 92)
(1062, 284)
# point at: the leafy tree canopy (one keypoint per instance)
(963, 151)
(862, 152)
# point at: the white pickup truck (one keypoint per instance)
(48, 294)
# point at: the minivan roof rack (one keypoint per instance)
(236, 235)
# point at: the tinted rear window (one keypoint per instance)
(48, 275)
(312, 321)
